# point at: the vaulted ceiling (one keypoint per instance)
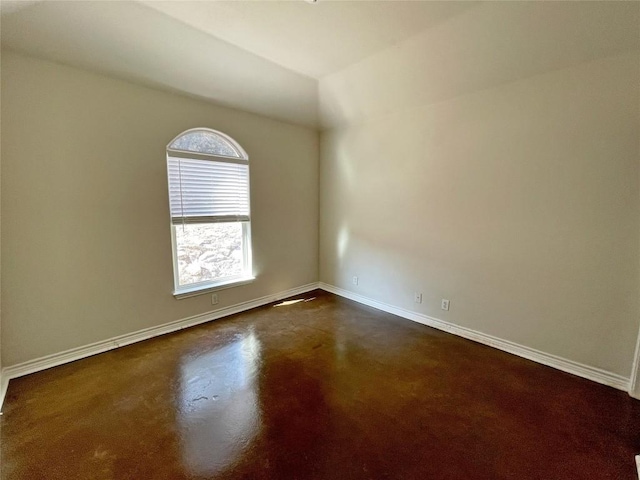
(313, 39)
(268, 56)
(260, 56)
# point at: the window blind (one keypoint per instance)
(208, 191)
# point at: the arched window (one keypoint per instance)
(210, 212)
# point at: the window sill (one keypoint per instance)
(212, 287)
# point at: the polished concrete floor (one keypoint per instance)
(322, 389)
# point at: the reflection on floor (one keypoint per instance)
(322, 389)
(218, 394)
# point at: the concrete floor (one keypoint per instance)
(323, 389)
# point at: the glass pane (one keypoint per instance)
(211, 251)
(205, 142)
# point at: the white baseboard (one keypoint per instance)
(634, 387)
(73, 354)
(569, 366)
(4, 384)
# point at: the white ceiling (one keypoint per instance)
(267, 56)
(495, 44)
(130, 41)
(313, 39)
(261, 56)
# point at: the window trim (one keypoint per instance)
(208, 286)
(202, 290)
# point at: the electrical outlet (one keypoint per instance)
(417, 297)
(355, 280)
(445, 304)
(214, 299)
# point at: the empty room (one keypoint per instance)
(319, 239)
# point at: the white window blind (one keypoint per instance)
(207, 190)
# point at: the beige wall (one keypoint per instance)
(1, 376)
(86, 248)
(519, 203)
